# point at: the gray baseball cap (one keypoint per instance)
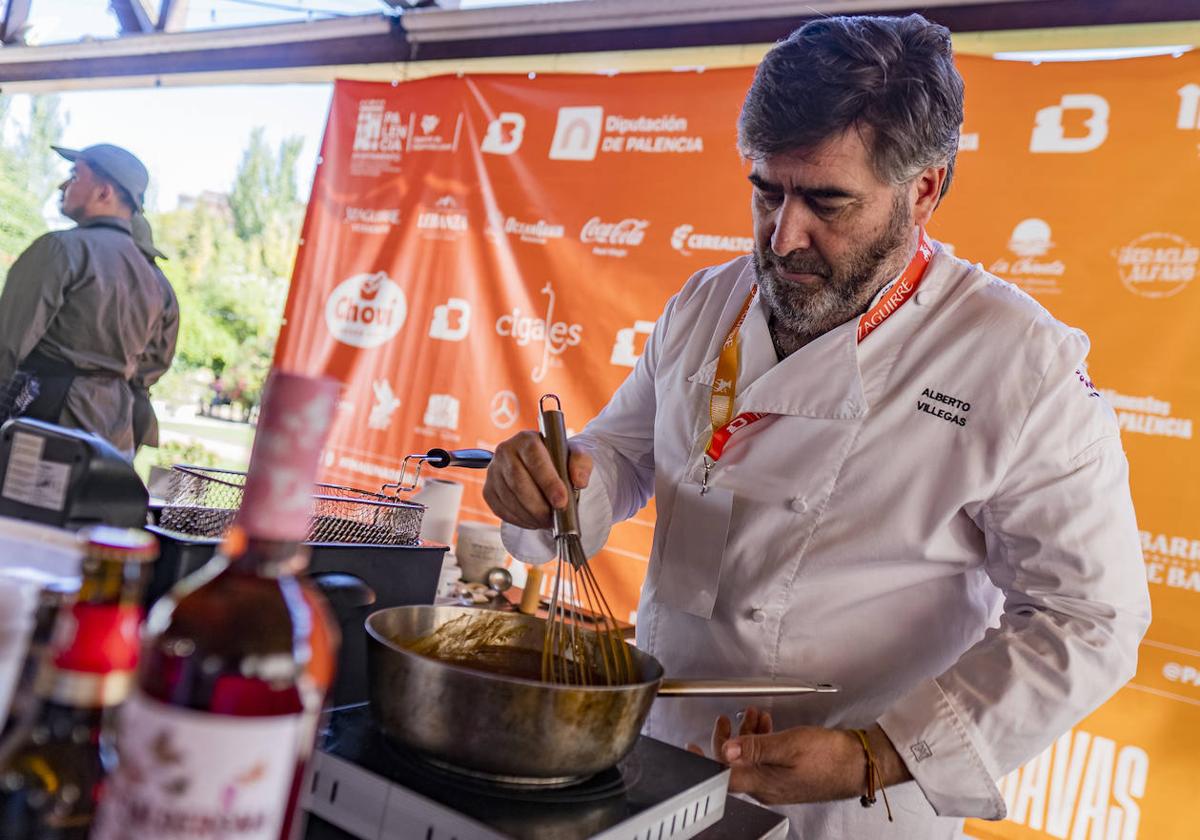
(119, 165)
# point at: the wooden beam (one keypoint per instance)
(132, 16)
(171, 15)
(361, 40)
(16, 15)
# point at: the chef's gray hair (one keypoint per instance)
(891, 78)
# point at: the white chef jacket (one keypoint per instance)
(937, 519)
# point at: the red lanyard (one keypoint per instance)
(724, 386)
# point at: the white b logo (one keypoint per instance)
(504, 134)
(625, 352)
(1049, 133)
(577, 133)
(451, 320)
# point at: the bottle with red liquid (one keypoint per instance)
(236, 659)
(55, 755)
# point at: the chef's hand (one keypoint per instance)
(801, 764)
(522, 484)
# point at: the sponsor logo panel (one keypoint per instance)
(553, 337)
(371, 221)
(630, 343)
(1148, 415)
(379, 138)
(685, 240)
(1027, 264)
(583, 131)
(434, 132)
(504, 134)
(1050, 133)
(444, 220)
(1172, 560)
(366, 310)
(451, 320)
(1158, 265)
(613, 239)
(1083, 785)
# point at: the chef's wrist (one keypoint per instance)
(892, 770)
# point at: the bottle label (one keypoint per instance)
(195, 775)
(97, 638)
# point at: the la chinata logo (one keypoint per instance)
(366, 310)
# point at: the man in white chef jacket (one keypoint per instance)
(920, 495)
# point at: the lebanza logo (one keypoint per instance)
(366, 310)
(554, 336)
(445, 220)
(1158, 265)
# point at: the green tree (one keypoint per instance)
(230, 263)
(28, 175)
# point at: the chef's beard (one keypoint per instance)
(807, 311)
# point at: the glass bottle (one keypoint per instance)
(55, 756)
(237, 658)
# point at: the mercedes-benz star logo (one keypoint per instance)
(503, 409)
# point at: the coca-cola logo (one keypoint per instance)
(625, 232)
(366, 310)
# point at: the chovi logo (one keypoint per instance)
(1157, 265)
(366, 310)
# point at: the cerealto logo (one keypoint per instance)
(366, 310)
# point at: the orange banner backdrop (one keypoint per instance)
(474, 242)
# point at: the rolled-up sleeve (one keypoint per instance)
(1063, 547)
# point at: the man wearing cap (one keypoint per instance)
(80, 306)
(156, 358)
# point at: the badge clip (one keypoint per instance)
(708, 465)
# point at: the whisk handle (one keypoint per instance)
(554, 434)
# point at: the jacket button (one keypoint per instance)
(799, 504)
(758, 615)
(922, 297)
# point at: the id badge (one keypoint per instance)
(695, 549)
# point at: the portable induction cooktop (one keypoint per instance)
(360, 785)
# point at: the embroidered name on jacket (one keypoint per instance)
(948, 408)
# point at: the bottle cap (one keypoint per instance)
(104, 542)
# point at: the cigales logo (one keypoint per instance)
(1158, 265)
(1050, 132)
(366, 310)
(684, 239)
(554, 336)
(1083, 785)
(613, 238)
(445, 220)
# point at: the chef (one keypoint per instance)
(874, 464)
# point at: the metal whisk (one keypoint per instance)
(583, 644)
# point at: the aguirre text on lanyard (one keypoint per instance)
(724, 387)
